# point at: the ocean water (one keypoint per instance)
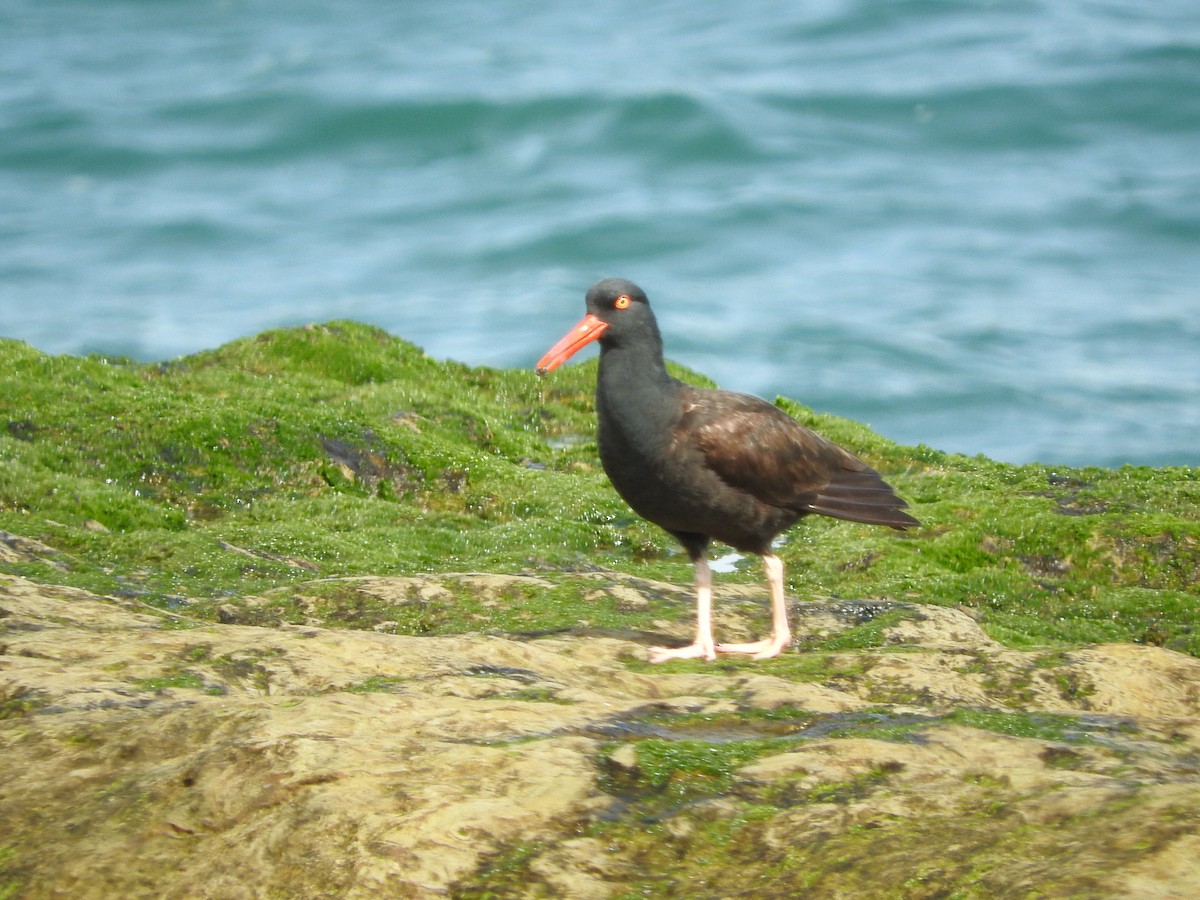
(974, 225)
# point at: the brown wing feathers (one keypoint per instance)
(758, 448)
(861, 496)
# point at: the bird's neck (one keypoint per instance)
(637, 399)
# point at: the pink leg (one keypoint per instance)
(781, 635)
(702, 647)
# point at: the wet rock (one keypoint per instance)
(167, 757)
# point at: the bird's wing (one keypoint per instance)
(756, 447)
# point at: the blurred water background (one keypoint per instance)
(974, 225)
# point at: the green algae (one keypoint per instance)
(506, 875)
(718, 743)
(10, 884)
(678, 770)
(17, 701)
(376, 684)
(285, 448)
(338, 450)
(184, 679)
(685, 822)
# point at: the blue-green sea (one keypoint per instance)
(974, 225)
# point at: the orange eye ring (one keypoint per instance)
(622, 302)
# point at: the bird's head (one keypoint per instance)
(615, 308)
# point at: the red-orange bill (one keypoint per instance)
(588, 329)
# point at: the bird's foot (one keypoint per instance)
(767, 648)
(691, 651)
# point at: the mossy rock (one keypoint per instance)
(338, 450)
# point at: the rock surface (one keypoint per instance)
(146, 755)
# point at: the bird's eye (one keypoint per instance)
(622, 302)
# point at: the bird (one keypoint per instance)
(706, 464)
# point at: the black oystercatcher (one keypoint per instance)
(706, 464)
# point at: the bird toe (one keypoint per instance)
(692, 651)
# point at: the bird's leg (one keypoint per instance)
(781, 634)
(702, 647)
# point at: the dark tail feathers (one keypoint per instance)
(861, 496)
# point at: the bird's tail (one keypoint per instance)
(862, 496)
